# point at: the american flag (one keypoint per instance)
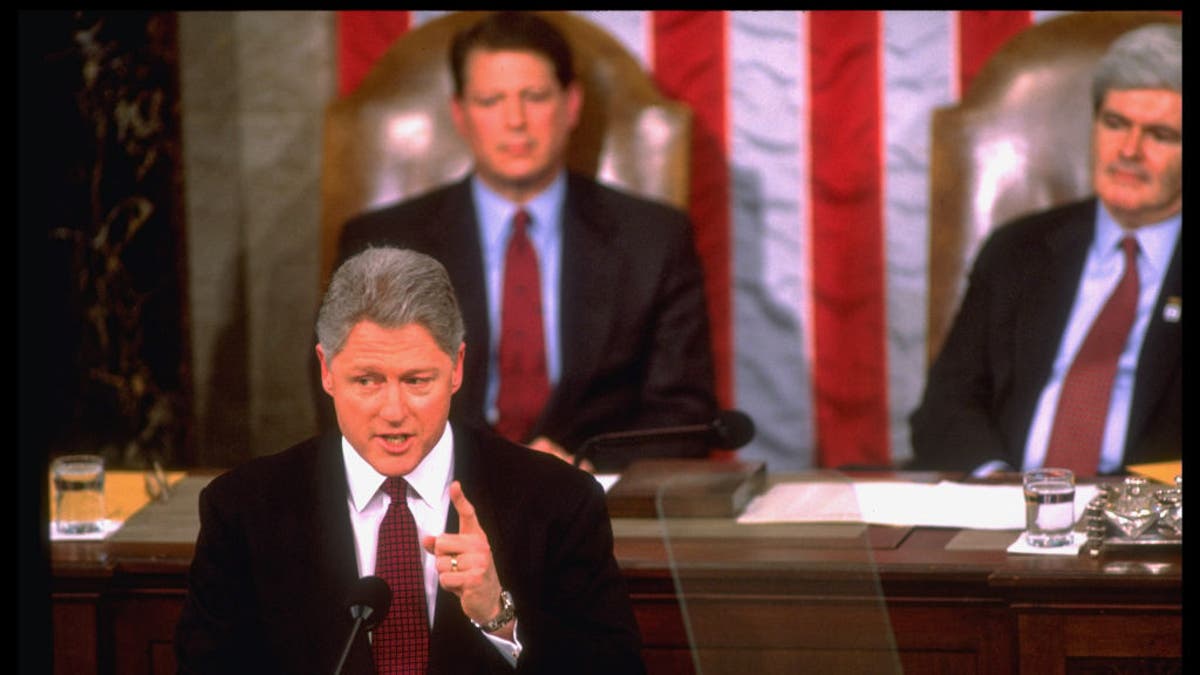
(810, 193)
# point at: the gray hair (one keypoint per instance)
(391, 287)
(1150, 57)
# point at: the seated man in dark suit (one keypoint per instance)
(1066, 349)
(588, 316)
(507, 553)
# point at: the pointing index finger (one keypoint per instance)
(467, 522)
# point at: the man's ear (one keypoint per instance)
(574, 103)
(456, 377)
(457, 115)
(326, 373)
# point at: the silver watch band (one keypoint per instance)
(507, 613)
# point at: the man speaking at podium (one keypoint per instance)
(497, 558)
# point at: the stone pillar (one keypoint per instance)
(255, 86)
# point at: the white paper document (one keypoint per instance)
(945, 504)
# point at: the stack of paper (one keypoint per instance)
(945, 504)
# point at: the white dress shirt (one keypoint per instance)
(429, 501)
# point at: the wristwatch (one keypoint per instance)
(507, 612)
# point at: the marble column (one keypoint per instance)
(254, 89)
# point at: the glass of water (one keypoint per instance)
(78, 494)
(1049, 507)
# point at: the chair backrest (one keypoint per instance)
(393, 137)
(1019, 141)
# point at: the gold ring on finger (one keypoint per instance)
(453, 563)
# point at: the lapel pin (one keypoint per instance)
(1173, 309)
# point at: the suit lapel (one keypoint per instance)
(337, 545)
(592, 262)
(457, 245)
(1051, 281)
(333, 517)
(1161, 352)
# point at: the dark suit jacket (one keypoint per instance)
(984, 385)
(275, 560)
(634, 329)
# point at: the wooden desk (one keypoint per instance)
(951, 609)
(956, 601)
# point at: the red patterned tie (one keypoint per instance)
(401, 640)
(524, 386)
(1083, 403)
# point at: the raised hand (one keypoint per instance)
(464, 563)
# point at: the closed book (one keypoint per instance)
(683, 488)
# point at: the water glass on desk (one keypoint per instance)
(1049, 507)
(78, 493)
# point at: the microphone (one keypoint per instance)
(731, 430)
(368, 602)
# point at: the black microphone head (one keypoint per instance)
(732, 429)
(369, 600)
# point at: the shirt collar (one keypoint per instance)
(1156, 241)
(495, 212)
(430, 479)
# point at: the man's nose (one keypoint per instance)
(395, 404)
(1131, 145)
(514, 112)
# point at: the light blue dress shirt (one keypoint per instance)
(545, 233)
(1101, 272)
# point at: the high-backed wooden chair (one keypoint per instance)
(393, 137)
(1019, 141)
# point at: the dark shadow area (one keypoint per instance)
(113, 279)
(40, 368)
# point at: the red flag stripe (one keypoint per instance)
(690, 54)
(981, 33)
(363, 36)
(847, 259)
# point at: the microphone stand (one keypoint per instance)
(369, 600)
(732, 429)
(617, 438)
(358, 622)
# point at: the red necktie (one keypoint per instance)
(524, 386)
(1083, 403)
(401, 640)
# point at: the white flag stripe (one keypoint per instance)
(917, 79)
(767, 165)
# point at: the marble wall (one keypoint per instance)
(254, 88)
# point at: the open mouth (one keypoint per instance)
(394, 442)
